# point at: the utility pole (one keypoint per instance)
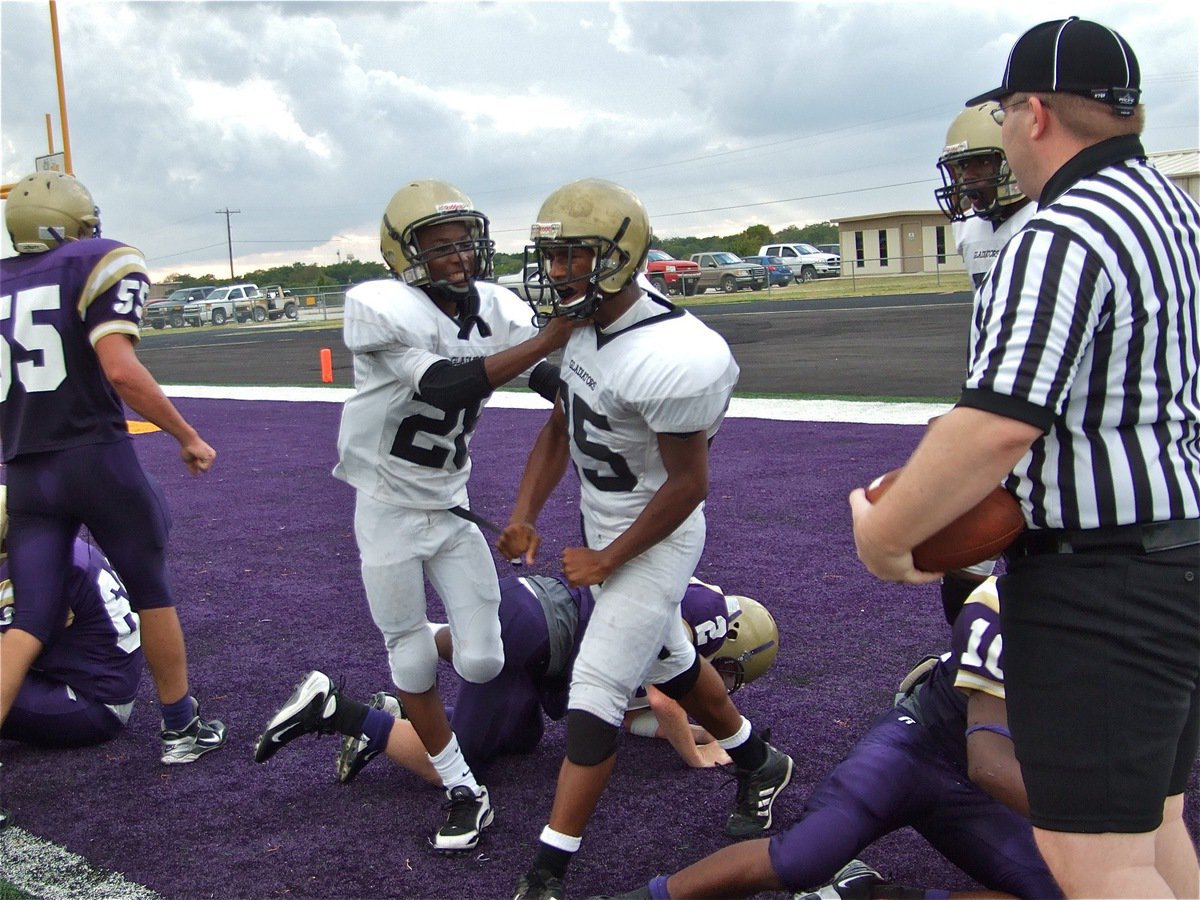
(229, 237)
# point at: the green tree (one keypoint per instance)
(748, 242)
(351, 270)
(820, 233)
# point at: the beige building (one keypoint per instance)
(919, 241)
(898, 243)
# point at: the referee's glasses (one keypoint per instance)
(1001, 112)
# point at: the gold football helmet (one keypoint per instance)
(47, 209)
(423, 203)
(601, 219)
(977, 180)
(750, 646)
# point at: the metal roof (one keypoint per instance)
(1176, 163)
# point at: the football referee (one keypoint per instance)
(1082, 395)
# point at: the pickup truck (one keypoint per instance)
(729, 272)
(169, 311)
(515, 281)
(670, 275)
(240, 302)
(805, 260)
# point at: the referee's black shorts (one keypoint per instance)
(1102, 678)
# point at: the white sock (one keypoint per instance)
(453, 769)
(738, 738)
(560, 841)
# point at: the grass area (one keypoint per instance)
(844, 286)
(9, 891)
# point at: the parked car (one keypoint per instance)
(240, 302)
(515, 281)
(670, 275)
(729, 272)
(805, 260)
(169, 310)
(778, 273)
(835, 249)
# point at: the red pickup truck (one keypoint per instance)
(670, 275)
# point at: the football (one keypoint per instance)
(978, 534)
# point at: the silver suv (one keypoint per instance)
(805, 260)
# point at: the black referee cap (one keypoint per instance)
(1072, 56)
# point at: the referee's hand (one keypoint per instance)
(881, 561)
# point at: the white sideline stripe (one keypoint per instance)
(865, 412)
(46, 870)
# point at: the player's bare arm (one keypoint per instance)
(501, 368)
(544, 469)
(962, 457)
(685, 459)
(695, 746)
(141, 393)
(991, 760)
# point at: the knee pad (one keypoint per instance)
(681, 684)
(412, 659)
(478, 668)
(590, 740)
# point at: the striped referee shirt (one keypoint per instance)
(1087, 328)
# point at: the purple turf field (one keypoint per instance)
(266, 573)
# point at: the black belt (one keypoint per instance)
(1129, 539)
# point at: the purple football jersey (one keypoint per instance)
(541, 620)
(54, 306)
(541, 623)
(910, 769)
(96, 645)
(977, 652)
(708, 613)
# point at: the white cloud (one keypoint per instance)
(308, 116)
(254, 110)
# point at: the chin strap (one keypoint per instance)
(467, 304)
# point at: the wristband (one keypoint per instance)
(995, 729)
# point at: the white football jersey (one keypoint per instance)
(392, 444)
(657, 370)
(979, 242)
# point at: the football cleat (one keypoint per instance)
(307, 711)
(469, 814)
(353, 755)
(189, 744)
(756, 795)
(538, 884)
(853, 881)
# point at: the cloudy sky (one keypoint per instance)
(306, 117)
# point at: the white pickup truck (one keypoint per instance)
(237, 302)
(515, 281)
(805, 260)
